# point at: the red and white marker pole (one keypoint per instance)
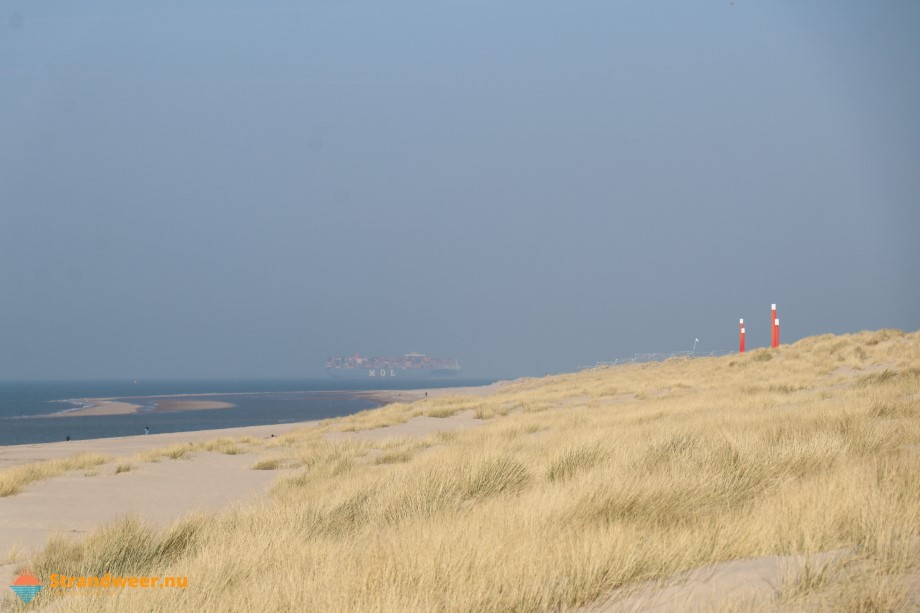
(773, 326)
(776, 333)
(741, 337)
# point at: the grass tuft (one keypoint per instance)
(267, 464)
(574, 460)
(12, 480)
(441, 412)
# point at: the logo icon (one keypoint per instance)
(26, 587)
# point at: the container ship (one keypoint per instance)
(409, 366)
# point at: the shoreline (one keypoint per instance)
(120, 406)
(115, 406)
(25, 453)
(392, 396)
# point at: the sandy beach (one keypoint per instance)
(163, 491)
(158, 492)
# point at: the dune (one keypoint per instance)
(783, 480)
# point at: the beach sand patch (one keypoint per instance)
(159, 493)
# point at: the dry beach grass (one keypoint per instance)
(595, 490)
(12, 480)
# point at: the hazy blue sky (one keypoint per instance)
(241, 189)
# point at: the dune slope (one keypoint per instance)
(579, 491)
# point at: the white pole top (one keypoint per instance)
(742, 321)
(773, 306)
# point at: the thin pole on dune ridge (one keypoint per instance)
(741, 336)
(773, 336)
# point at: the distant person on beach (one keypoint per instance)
(146, 429)
(68, 438)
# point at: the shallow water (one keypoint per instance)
(25, 406)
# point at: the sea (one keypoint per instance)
(30, 412)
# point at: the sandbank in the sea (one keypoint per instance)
(114, 406)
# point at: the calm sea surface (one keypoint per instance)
(257, 402)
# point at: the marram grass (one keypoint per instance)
(575, 488)
(12, 480)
